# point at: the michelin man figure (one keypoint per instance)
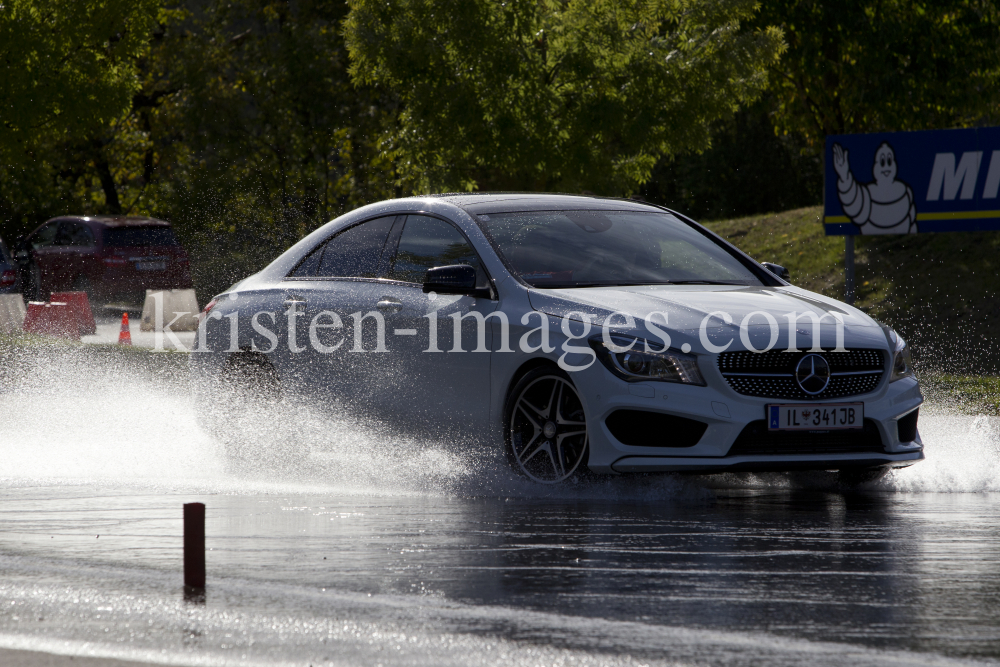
(883, 207)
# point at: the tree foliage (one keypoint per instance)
(747, 170)
(246, 123)
(241, 126)
(885, 65)
(555, 94)
(278, 139)
(67, 66)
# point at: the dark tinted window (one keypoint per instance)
(74, 234)
(46, 236)
(355, 252)
(428, 242)
(307, 267)
(139, 236)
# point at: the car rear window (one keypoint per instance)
(139, 236)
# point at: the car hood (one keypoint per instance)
(694, 312)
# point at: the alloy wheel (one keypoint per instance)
(548, 430)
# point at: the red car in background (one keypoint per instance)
(112, 258)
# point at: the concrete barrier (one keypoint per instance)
(11, 313)
(80, 305)
(51, 319)
(174, 301)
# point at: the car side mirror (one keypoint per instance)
(777, 270)
(453, 279)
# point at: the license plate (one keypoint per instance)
(825, 417)
(151, 266)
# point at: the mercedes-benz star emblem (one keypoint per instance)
(813, 374)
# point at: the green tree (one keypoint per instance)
(885, 65)
(281, 138)
(67, 67)
(268, 136)
(554, 94)
(728, 181)
(243, 128)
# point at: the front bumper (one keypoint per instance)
(727, 414)
(768, 463)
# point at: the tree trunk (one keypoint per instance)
(107, 184)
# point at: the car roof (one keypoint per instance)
(117, 220)
(497, 202)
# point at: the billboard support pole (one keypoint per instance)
(849, 269)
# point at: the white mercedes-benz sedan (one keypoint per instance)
(579, 334)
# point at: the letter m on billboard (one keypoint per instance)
(909, 182)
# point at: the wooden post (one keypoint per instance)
(194, 545)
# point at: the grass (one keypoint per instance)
(960, 393)
(795, 240)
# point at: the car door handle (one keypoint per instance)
(390, 304)
(294, 302)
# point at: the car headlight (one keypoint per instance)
(632, 363)
(902, 367)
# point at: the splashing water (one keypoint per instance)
(963, 456)
(69, 419)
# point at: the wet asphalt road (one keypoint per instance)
(388, 552)
(756, 573)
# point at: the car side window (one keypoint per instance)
(307, 267)
(75, 234)
(428, 242)
(62, 236)
(46, 236)
(353, 253)
(84, 236)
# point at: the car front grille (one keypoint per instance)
(771, 374)
(756, 440)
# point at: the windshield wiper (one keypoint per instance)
(638, 284)
(571, 285)
(703, 282)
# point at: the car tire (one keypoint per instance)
(35, 288)
(545, 427)
(245, 415)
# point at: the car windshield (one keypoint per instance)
(553, 249)
(139, 236)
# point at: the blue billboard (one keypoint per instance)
(910, 182)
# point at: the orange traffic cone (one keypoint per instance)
(125, 336)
